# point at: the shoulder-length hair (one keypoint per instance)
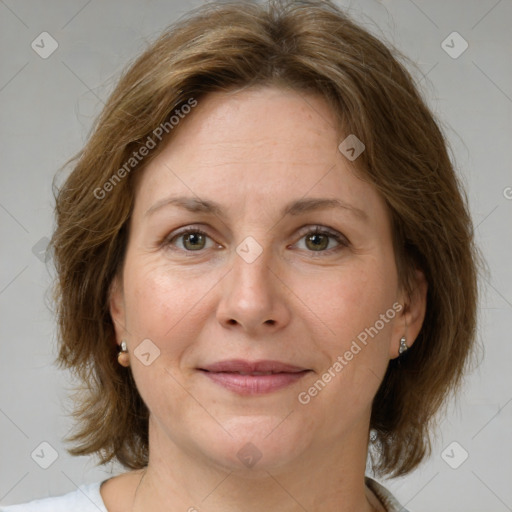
(309, 47)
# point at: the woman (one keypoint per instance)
(266, 270)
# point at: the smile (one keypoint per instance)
(253, 377)
(254, 383)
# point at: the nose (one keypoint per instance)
(254, 297)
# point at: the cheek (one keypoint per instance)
(356, 305)
(351, 298)
(162, 301)
(164, 306)
(356, 348)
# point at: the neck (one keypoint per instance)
(327, 477)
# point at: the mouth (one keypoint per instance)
(253, 378)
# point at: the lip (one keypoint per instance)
(245, 377)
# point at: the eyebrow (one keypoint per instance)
(298, 207)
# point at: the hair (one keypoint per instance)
(310, 47)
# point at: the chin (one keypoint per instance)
(258, 444)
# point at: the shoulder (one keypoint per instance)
(86, 498)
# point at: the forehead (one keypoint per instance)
(260, 144)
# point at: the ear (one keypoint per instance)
(410, 318)
(117, 308)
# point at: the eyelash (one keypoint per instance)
(316, 230)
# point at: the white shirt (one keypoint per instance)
(87, 498)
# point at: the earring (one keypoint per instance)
(403, 346)
(122, 357)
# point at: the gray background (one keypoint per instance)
(47, 108)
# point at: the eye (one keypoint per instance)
(318, 240)
(193, 239)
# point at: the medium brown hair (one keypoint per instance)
(309, 47)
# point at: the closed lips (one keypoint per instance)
(256, 373)
(244, 367)
(253, 377)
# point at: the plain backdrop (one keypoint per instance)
(47, 109)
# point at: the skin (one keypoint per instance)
(254, 151)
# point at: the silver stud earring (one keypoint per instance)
(403, 345)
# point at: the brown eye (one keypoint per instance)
(317, 241)
(194, 241)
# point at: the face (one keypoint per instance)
(291, 271)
